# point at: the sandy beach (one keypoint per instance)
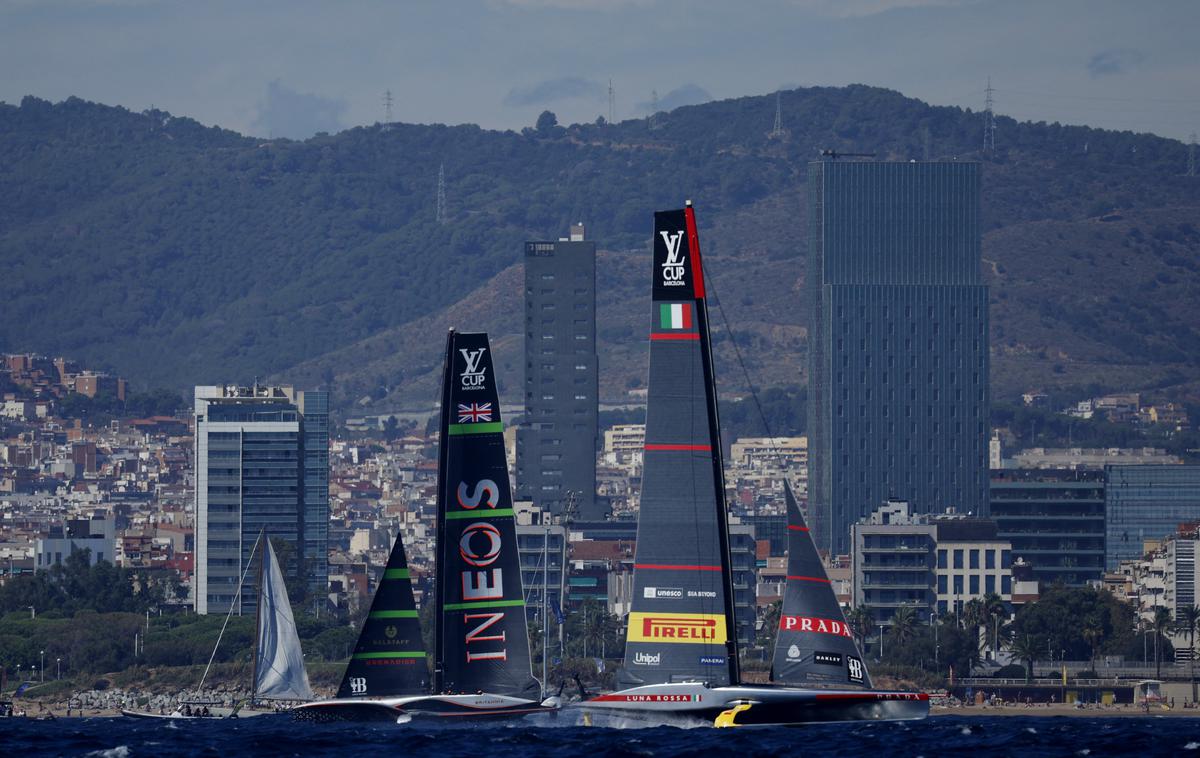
(1058, 709)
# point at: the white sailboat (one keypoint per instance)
(279, 674)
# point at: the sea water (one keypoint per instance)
(1021, 736)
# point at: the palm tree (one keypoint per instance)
(1092, 634)
(904, 624)
(770, 625)
(995, 610)
(1026, 648)
(1161, 623)
(861, 622)
(1190, 616)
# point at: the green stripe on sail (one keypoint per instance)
(495, 427)
(664, 315)
(375, 656)
(482, 604)
(479, 514)
(396, 574)
(392, 614)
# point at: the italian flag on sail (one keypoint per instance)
(675, 315)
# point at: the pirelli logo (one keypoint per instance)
(697, 628)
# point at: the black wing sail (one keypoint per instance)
(389, 659)
(814, 644)
(681, 619)
(483, 640)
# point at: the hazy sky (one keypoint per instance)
(294, 67)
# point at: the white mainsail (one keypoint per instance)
(279, 663)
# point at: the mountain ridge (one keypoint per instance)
(179, 254)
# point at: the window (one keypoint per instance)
(958, 584)
(989, 558)
(975, 559)
(941, 584)
(974, 584)
(989, 584)
(941, 559)
(1005, 560)
(1006, 584)
(958, 559)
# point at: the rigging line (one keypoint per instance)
(737, 351)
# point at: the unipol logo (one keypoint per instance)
(472, 376)
(793, 653)
(672, 268)
(358, 685)
(645, 659)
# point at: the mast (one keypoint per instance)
(484, 631)
(439, 575)
(262, 572)
(718, 457)
(681, 622)
(545, 604)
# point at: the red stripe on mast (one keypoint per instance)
(667, 567)
(694, 251)
(674, 336)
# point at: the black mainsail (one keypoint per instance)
(814, 643)
(389, 658)
(482, 641)
(681, 622)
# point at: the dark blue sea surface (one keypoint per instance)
(279, 735)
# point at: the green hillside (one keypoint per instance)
(178, 254)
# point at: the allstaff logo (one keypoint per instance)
(811, 624)
(358, 685)
(672, 268)
(693, 628)
(472, 377)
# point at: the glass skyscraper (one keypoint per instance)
(1054, 519)
(898, 342)
(1147, 503)
(262, 466)
(556, 445)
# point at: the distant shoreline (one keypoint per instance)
(1042, 711)
(1036, 711)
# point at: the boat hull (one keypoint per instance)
(401, 709)
(755, 705)
(175, 715)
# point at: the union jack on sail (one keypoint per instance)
(474, 412)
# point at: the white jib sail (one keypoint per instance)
(279, 670)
